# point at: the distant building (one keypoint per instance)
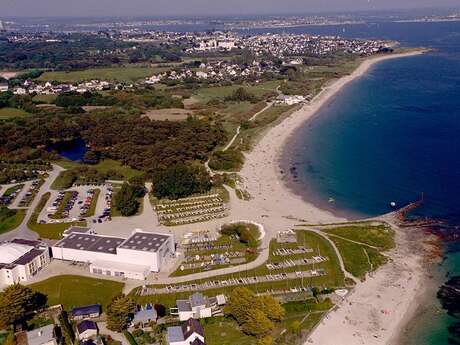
(20, 260)
(198, 306)
(40, 336)
(190, 333)
(133, 257)
(289, 100)
(4, 87)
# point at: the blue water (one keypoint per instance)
(73, 150)
(391, 136)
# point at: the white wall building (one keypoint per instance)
(132, 258)
(198, 306)
(21, 259)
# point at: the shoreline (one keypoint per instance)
(354, 321)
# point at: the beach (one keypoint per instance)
(377, 309)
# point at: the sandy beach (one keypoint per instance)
(377, 309)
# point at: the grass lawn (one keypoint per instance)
(8, 113)
(120, 74)
(354, 257)
(380, 236)
(225, 332)
(104, 166)
(12, 222)
(48, 99)
(71, 291)
(49, 231)
(205, 94)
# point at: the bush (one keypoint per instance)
(126, 201)
(226, 160)
(242, 231)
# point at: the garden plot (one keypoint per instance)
(190, 210)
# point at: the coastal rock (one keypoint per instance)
(449, 295)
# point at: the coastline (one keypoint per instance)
(377, 310)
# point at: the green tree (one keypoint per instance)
(126, 199)
(179, 181)
(240, 302)
(267, 340)
(257, 323)
(294, 327)
(272, 308)
(119, 311)
(16, 301)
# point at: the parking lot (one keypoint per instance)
(74, 204)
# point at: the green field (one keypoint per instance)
(11, 222)
(380, 236)
(9, 113)
(104, 166)
(205, 94)
(354, 257)
(44, 98)
(71, 291)
(120, 74)
(226, 332)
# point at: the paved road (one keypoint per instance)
(23, 230)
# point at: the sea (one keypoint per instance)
(392, 135)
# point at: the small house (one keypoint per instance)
(190, 332)
(87, 329)
(86, 312)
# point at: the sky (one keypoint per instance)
(98, 8)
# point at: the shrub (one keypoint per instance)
(226, 160)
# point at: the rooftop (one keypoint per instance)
(145, 241)
(90, 242)
(175, 334)
(40, 335)
(86, 325)
(10, 252)
(86, 310)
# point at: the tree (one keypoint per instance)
(257, 323)
(254, 314)
(267, 340)
(16, 301)
(240, 301)
(126, 199)
(272, 308)
(180, 180)
(119, 311)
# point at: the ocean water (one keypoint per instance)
(392, 135)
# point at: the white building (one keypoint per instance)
(21, 259)
(198, 306)
(134, 257)
(4, 87)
